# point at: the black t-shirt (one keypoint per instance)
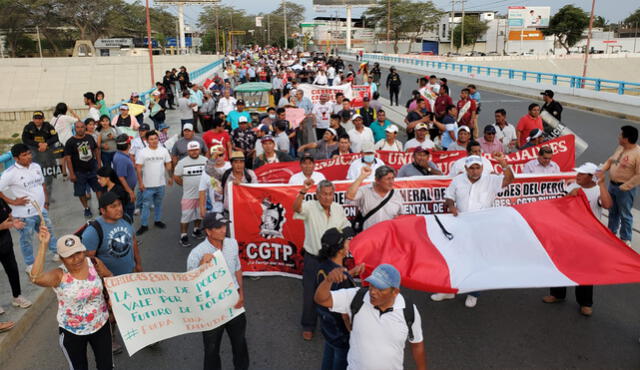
(5, 235)
(121, 193)
(554, 108)
(411, 117)
(81, 152)
(123, 122)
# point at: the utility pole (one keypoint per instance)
(150, 45)
(284, 10)
(586, 52)
(635, 37)
(269, 29)
(217, 28)
(348, 43)
(462, 25)
(39, 43)
(388, 23)
(182, 46)
(453, 4)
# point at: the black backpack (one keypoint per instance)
(409, 314)
(96, 225)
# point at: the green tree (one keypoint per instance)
(600, 22)
(634, 18)
(567, 25)
(408, 18)
(474, 28)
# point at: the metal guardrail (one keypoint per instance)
(6, 159)
(597, 84)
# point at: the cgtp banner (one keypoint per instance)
(271, 241)
(335, 169)
(152, 306)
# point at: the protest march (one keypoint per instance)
(366, 204)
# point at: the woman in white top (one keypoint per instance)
(321, 78)
(83, 314)
(63, 123)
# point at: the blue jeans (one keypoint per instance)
(32, 226)
(334, 358)
(139, 199)
(107, 158)
(129, 209)
(620, 214)
(155, 195)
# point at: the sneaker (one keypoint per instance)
(551, 299)
(116, 347)
(197, 233)
(627, 242)
(1, 310)
(160, 225)
(184, 241)
(28, 269)
(142, 230)
(55, 257)
(442, 296)
(87, 213)
(471, 301)
(586, 311)
(136, 212)
(21, 302)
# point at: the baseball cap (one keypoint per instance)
(134, 94)
(214, 220)
(422, 126)
(144, 127)
(392, 128)
(193, 145)
(242, 119)
(122, 139)
(332, 131)
(489, 129)
(237, 155)
(384, 276)
(240, 102)
(420, 149)
(107, 199)
(263, 128)
(548, 93)
(124, 107)
(187, 126)
(307, 156)
(473, 159)
(38, 114)
(588, 168)
(535, 133)
(267, 138)
(68, 245)
(162, 126)
(353, 118)
(334, 236)
(367, 147)
(464, 128)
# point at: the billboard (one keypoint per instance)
(525, 35)
(529, 16)
(344, 2)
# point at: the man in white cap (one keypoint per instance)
(323, 148)
(462, 139)
(473, 148)
(360, 134)
(591, 181)
(382, 319)
(536, 137)
(369, 159)
(180, 150)
(187, 174)
(543, 164)
(307, 165)
(389, 143)
(472, 191)
(421, 139)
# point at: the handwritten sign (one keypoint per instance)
(152, 306)
(295, 116)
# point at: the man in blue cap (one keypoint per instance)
(383, 322)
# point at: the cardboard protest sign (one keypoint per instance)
(152, 306)
(295, 116)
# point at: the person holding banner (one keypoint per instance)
(319, 216)
(421, 165)
(368, 160)
(307, 164)
(505, 132)
(467, 111)
(543, 164)
(473, 149)
(389, 143)
(215, 226)
(83, 315)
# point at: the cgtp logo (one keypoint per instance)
(273, 219)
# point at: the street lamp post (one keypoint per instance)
(284, 10)
(586, 52)
(149, 45)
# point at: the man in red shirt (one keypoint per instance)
(442, 102)
(527, 123)
(218, 136)
(467, 111)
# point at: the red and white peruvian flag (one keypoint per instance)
(548, 243)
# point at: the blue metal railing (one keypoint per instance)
(6, 159)
(578, 82)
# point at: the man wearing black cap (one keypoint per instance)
(215, 226)
(553, 107)
(42, 139)
(488, 141)
(233, 117)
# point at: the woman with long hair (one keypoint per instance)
(106, 140)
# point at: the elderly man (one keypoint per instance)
(488, 141)
(303, 102)
(227, 103)
(536, 137)
(385, 319)
(389, 143)
(376, 202)
(421, 165)
(319, 216)
(473, 148)
(368, 160)
(421, 140)
(543, 164)
(360, 134)
(234, 116)
(591, 181)
(307, 164)
(472, 191)
(270, 155)
(528, 122)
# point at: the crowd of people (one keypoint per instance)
(128, 165)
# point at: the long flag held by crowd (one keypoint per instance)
(271, 241)
(549, 243)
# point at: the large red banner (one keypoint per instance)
(336, 168)
(271, 240)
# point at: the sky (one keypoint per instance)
(612, 10)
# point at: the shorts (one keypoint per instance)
(190, 211)
(84, 181)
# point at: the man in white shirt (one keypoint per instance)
(591, 181)
(21, 184)
(389, 143)
(473, 148)
(505, 132)
(543, 164)
(331, 74)
(187, 174)
(360, 134)
(472, 191)
(153, 165)
(227, 103)
(307, 164)
(185, 108)
(421, 139)
(381, 325)
(369, 159)
(322, 114)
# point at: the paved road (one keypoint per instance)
(508, 329)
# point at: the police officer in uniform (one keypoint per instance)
(393, 85)
(553, 107)
(42, 139)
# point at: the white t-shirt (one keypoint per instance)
(593, 196)
(360, 137)
(323, 114)
(184, 110)
(354, 169)
(474, 196)
(137, 144)
(153, 165)
(17, 182)
(191, 170)
(213, 187)
(506, 135)
(383, 145)
(64, 127)
(458, 167)
(226, 105)
(377, 340)
(331, 73)
(299, 178)
(94, 113)
(414, 143)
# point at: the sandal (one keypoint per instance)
(6, 326)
